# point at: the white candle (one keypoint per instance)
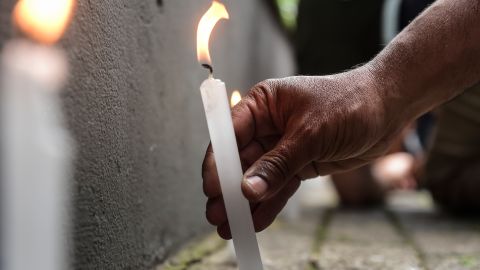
(227, 158)
(222, 135)
(36, 148)
(35, 160)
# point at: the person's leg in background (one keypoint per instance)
(452, 171)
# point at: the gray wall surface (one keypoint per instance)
(134, 108)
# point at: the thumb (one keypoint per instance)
(273, 170)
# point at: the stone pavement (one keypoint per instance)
(408, 233)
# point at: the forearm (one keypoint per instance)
(434, 59)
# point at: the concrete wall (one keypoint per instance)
(134, 108)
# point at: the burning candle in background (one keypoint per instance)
(36, 149)
(222, 135)
(235, 99)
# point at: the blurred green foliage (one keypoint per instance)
(288, 12)
(468, 261)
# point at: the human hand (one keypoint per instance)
(297, 128)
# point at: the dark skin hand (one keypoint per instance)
(296, 128)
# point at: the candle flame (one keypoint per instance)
(215, 13)
(43, 20)
(236, 98)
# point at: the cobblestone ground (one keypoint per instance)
(407, 233)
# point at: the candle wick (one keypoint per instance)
(209, 67)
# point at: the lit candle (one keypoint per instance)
(236, 98)
(222, 135)
(36, 149)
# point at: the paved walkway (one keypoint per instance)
(407, 233)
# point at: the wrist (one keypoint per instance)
(391, 109)
(400, 106)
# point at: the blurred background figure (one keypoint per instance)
(333, 36)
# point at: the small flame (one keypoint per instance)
(236, 98)
(214, 14)
(43, 20)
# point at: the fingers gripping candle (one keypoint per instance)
(222, 135)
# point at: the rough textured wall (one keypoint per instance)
(134, 108)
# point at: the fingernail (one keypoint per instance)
(257, 185)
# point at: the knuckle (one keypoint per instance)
(264, 88)
(213, 213)
(207, 163)
(206, 189)
(208, 216)
(267, 84)
(204, 168)
(275, 165)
